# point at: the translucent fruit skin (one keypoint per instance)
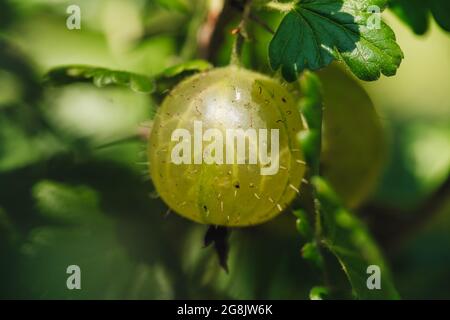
(227, 194)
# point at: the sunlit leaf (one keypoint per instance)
(171, 76)
(193, 65)
(316, 32)
(101, 77)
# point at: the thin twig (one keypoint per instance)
(261, 23)
(253, 17)
(241, 34)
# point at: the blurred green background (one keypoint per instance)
(70, 195)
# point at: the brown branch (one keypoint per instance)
(207, 30)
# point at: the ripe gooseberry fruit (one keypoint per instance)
(353, 144)
(229, 194)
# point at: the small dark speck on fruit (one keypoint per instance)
(283, 99)
(237, 185)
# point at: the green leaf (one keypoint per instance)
(303, 224)
(16, 66)
(101, 77)
(318, 293)
(66, 204)
(88, 237)
(250, 264)
(311, 252)
(415, 13)
(16, 143)
(311, 106)
(311, 103)
(169, 78)
(189, 66)
(316, 32)
(349, 241)
(178, 5)
(310, 141)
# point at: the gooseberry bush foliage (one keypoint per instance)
(300, 40)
